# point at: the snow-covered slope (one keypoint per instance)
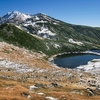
(43, 26)
(92, 66)
(15, 15)
(45, 32)
(30, 23)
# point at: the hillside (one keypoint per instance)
(26, 75)
(45, 34)
(26, 43)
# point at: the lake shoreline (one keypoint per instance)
(53, 58)
(76, 52)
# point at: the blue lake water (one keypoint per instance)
(74, 60)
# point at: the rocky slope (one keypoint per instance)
(37, 77)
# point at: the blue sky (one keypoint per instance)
(81, 12)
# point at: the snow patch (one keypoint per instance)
(45, 32)
(29, 23)
(41, 21)
(92, 66)
(40, 93)
(51, 98)
(36, 18)
(56, 45)
(28, 96)
(96, 53)
(55, 23)
(33, 87)
(18, 27)
(74, 42)
(14, 66)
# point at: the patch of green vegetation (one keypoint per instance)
(9, 33)
(87, 35)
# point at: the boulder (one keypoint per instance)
(33, 88)
(54, 85)
(40, 85)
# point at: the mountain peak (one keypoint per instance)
(15, 15)
(16, 12)
(41, 14)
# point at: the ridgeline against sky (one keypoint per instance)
(81, 12)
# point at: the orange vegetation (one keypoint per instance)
(19, 89)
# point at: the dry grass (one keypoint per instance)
(5, 83)
(21, 55)
(37, 97)
(13, 90)
(69, 96)
(13, 93)
(19, 89)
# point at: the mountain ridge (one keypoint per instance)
(26, 73)
(56, 36)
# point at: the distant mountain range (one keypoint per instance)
(44, 34)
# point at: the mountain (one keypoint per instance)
(27, 21)
(14, 16)
(45, 34)
(26, 42)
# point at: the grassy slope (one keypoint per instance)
(12, 90)
(13, 35)
(78, 32)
